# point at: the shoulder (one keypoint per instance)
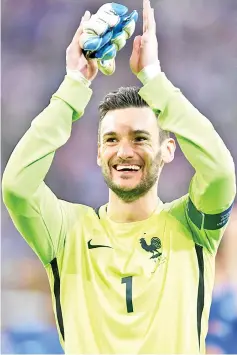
(177, 209)
(175, 216)
(78, 213)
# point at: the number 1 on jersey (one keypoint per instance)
(128, 281)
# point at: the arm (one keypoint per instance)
(212, 188)
(40, 217)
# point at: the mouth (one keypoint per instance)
(127, 168)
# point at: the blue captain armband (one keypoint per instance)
(208, 221)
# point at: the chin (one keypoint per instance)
(126, 184)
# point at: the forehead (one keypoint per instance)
(124, 121)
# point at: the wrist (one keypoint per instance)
(149, 72)
(78, 76)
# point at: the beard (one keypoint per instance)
(131, 194)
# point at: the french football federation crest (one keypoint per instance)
(153, 247)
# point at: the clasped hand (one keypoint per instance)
(144, 52)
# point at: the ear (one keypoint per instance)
(167, 150)
(98, 156)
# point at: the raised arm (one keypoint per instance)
(212, 189)
(40, 217)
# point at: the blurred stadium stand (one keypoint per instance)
(198, 52)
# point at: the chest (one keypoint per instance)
(159, 248)
(130, 269)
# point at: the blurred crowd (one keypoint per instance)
(198, 52)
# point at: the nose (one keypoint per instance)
(125, 150)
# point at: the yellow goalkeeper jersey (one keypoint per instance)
(141, 287)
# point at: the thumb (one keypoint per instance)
(135, 56)
(137, 43)
(86, 16)
(93, 65)
(79, 31)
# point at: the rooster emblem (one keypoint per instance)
(153, 247)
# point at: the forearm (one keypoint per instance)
(33, 156)
(199, 142)
(39, 216)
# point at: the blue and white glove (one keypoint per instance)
(106, 33)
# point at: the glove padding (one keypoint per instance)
(105, 33)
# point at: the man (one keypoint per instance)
(135, 276)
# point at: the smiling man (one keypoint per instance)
(130, 146)
(136, 275)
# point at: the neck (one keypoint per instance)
(123, 212)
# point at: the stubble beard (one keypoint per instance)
(128, 194)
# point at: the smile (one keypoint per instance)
(127, 168)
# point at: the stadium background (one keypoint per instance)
(198, 52)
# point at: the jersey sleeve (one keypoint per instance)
(212, 188)
(41, 218)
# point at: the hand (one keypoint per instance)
(106, 33)
(145, 47)
(76, 60)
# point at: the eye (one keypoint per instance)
(140, 139)
(111, 140)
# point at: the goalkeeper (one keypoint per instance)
(136, 275)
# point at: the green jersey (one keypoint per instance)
(140, 287)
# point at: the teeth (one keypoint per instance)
(128, 167)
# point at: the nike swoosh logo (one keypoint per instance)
(92, 246)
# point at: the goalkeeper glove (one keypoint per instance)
(105, 33)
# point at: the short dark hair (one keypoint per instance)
(125, 97)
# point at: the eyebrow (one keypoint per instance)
(137, 131)
(141, 131)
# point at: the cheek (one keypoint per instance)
(107, 153)
(147, 153)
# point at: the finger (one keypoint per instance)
(137, 43)
(150, 16)
(85, 17)
(145, 8)
(144, 23)
(151, 20)
(145, 15)
(93, 65)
